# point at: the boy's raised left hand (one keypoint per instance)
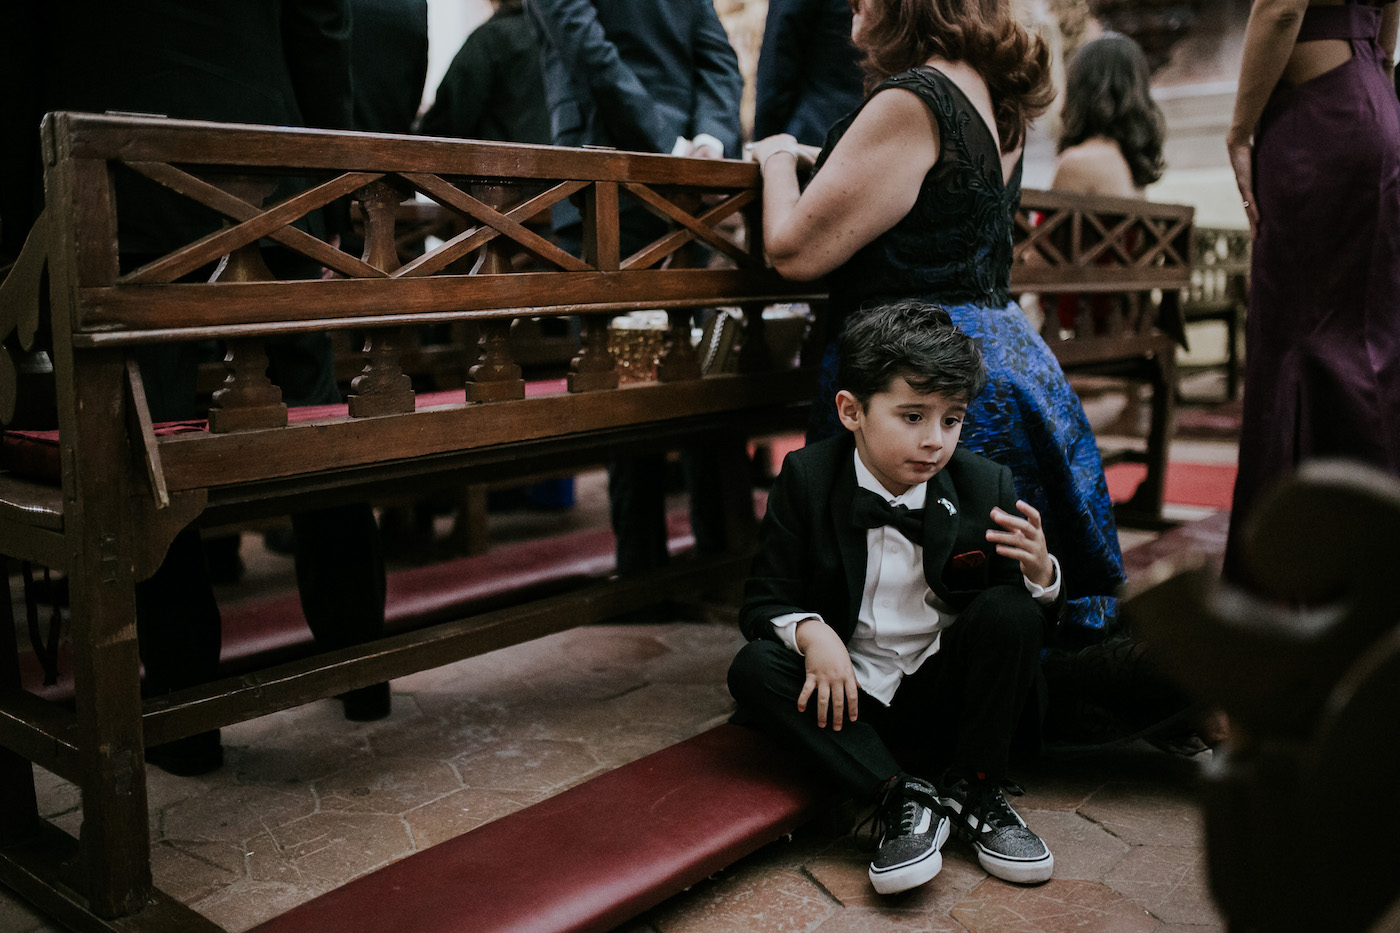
(1023, 541)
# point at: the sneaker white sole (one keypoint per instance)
(899, 878)
(911, 875)
(1018, 871)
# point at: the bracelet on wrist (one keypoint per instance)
(790, 150)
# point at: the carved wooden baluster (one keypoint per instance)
(248, 399)
(496, 377)
(465, 338)
(594, 367)
(382, 387)
(679, 360)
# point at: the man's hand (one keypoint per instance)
(1024, 542)
(829, 674)
(703, 146)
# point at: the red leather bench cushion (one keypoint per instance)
(589, 858)
(34, 454)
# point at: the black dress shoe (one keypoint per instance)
(190, 756)
(367, 703)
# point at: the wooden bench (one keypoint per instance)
(1128, 261)
(1308, 670)
(126, 490)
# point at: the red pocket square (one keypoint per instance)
(969, 561)
(966, 572)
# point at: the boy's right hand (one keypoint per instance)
(829, 674)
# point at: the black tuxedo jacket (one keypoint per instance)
(811, 556)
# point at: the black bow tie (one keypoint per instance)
(871, 510)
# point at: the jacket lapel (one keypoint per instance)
(940, 530)
(850, 539)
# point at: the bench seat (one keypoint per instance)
(589, 858)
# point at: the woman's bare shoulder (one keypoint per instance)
(1095, 166)
(895, 118)
(893, 105)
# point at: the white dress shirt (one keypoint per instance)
(901, 621)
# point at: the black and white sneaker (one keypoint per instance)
(1006, 848)
(912, 827)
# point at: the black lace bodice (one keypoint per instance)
(954, 245)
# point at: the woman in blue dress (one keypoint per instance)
(913, 196)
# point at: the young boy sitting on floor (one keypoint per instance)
(898, 599)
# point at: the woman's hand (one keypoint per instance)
(1241, 152)
(829, 674)
(804, 157)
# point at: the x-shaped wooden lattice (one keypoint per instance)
(249, 222)
(1080, 238)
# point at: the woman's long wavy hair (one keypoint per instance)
(901, 34)
(1107, 94)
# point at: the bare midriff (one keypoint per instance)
(1313, 59)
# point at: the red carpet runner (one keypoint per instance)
(1200, 484)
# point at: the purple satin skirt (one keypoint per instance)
(1322, 377)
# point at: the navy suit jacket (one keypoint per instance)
(808, 72)
(811, 556)
(637, 74)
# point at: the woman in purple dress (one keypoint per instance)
(1315, 146)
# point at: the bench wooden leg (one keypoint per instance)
(116, 845)
(469, 532)
(115, 869)
(19, 812)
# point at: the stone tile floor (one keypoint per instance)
(307, 801)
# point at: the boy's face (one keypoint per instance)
(904, 437)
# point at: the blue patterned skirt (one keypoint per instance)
(1029, 419)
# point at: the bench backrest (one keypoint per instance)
(269, 183)
(1124, 259)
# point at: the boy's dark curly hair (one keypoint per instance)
(1107, 94)
(910, 339)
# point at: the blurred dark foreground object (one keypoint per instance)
(1306, 664)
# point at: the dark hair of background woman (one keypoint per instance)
(1107, 94)
(902, 34)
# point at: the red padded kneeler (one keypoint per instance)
(589, 858)
(270, 630)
